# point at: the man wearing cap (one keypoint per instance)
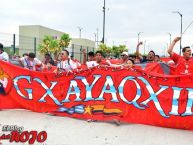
(123, 62)
(3, 55)
(124, 57)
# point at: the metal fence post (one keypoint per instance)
(80, 53)
(87, 53)
(73, 50)
(35, 45)
(13, 44)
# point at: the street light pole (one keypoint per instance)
(138, 36)
(144, 45)
(170, 37)
(180, 29)
(104, 9)
(80, 31)
(97, 35)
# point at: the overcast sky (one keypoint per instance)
(124, 19)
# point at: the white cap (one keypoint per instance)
(125, 53)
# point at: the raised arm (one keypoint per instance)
(171, 47)
(137, 51)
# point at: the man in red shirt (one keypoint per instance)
(184, 64)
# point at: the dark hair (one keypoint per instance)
(152, 52)
(157, 56)
(132, 61)
(47, 54)
(32, 55)
(25, 54)
(1, 47)
(91, 53)
(66, 52)
(100, 52)
(184, 49)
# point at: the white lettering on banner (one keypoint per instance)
(109, 88)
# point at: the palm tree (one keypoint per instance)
(105, 49)
(64, 40)
(50, 45)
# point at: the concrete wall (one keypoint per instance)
(78, 44)
(28, 33)
(83, 42)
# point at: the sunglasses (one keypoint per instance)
(122, 55)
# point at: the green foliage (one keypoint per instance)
(115, 50)
(105, 49)
(64, 40)
(54, 46)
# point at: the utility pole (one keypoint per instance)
(139, 35)
(80, 31)
(170, 37)
(144, 45)
(104, 9)
(180, 29)
(97, 36)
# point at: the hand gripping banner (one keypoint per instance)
(133, 96)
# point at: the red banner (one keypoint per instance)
(133, 96)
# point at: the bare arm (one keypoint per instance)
(171, 47)
(137, 50)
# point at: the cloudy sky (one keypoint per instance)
(124, 19)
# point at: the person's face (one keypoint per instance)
(188, 53)
(1, 51)
(64, 55)
(98, 57)
(157, 59)
(59, 57)
(90, 58)
(30, 58)
(124, 57)
(47, 57)
(151, 56)
(129, 63)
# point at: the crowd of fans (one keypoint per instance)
(65, 63)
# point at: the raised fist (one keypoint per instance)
(140, 43)
(176, 39)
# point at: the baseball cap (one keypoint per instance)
(125, 53)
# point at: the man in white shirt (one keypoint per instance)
(99, 60)
(3, 55)
(66, 64)
(30, 62)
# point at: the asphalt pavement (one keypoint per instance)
(70, 131)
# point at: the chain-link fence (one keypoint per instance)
(11, 45)
(18, 45)
(76, 51)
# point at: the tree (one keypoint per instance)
(50, 45)
(105, 49)
(64, 40)
(117, 50)
(54, 46)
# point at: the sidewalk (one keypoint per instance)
(69, 131)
